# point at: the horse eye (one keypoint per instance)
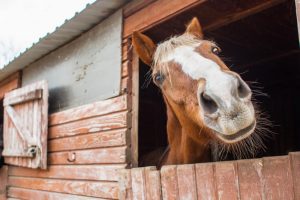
(215, 50)
(159, 78)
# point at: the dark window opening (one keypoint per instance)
(262, 48)
(152, 119)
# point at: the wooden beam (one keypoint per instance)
(30, 96)
(162, 11)
(240, 14)
(135, 110)
(155, 13)
(297, 2)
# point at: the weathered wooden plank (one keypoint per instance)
(22, 130)
(90, 110)
(205, 181)
(126, 69)
(250, 179)
(90, 125)
(79, 172)
(186, 182)
(94, 156)
(155, 13)
(135, 110)
(29, 96)
(226, 180)
(138, 183)
(295, 165)
(169, 182)
(10, 83)
(125, 52)
(3, 181)
(278, 182)
(153, 184)
(27, 194)
(125, 84)
(84, 188)
(125, 188)
(94, 140)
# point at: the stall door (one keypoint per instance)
(25, 126)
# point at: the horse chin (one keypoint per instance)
(238, 136)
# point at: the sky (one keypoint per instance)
(23, 22)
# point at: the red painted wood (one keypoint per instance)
(90, 125)
(125, 188)
(3, 182)
(169, 182)
(153, 183)
(226, 180)
(26, 124)
(27, 194)
(186, 182)
(90, 110)
(295, 165)
(93, 156)
(84, 188)
(88, 141)
(205, 181)
(78, 172)
(278, 182)
(250, 179)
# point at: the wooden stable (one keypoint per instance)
(93, 149)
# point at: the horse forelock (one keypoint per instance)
(166, 48)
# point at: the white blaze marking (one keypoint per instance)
(196, 66)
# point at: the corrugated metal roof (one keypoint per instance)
(81, 22)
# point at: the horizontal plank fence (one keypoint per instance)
(87, 146)
(275, 178)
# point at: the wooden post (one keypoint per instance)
(297, 3)
(135, 109)
(3, 182)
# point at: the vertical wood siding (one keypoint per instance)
(266, 178)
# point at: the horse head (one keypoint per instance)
(209, 101)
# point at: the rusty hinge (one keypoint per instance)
(30, 152)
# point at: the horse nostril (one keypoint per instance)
(208, 105)
(243, 90)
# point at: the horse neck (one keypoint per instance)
(183, 148)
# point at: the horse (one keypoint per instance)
(206, 102)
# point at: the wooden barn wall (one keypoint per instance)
(87, 145)
(89, 67)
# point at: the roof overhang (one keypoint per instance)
(81, 22)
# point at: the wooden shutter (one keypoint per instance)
(25, 126)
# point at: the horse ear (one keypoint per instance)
(144, 47)
(195, 28)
